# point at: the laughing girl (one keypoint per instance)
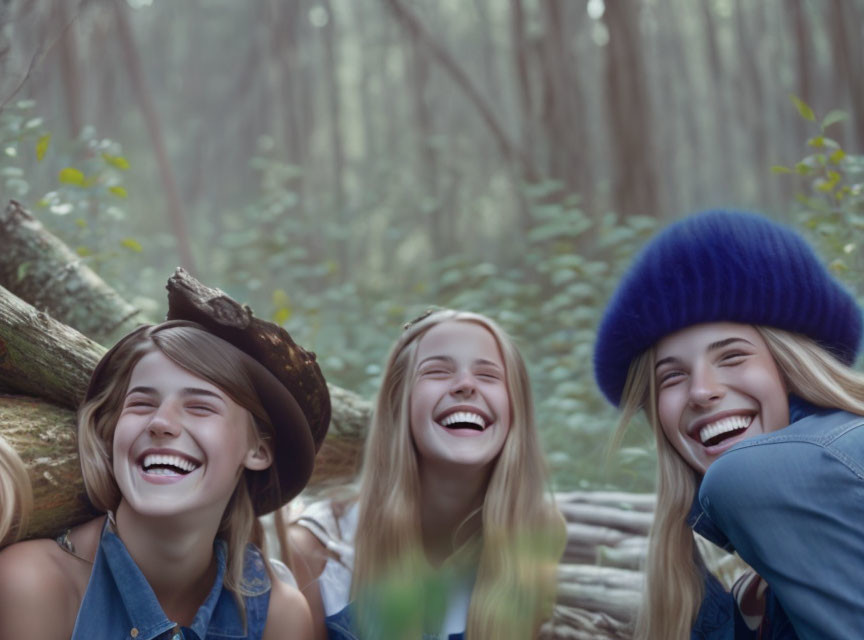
(737, 344)
(454, 533)
(184, 438)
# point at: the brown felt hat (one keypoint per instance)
(287, 378)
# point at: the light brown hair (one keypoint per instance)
(206, 356)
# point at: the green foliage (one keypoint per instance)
(81, 183)
(831, 202)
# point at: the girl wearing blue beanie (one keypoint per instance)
(734, 339)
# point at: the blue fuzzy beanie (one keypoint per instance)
(722, 266)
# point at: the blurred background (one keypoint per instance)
(341, 165)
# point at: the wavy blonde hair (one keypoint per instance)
(16, 494)
(674, 567)
(522, 532)
(204, 355)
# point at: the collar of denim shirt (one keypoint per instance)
(142, 606)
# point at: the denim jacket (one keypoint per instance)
(119, 602)
(719, 618)
(792, 504)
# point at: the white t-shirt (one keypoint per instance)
(337, 535)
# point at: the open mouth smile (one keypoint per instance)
(162, 464)
(463, 419)
(718, 431)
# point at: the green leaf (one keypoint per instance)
(118, 191)
(281, 299)
(837, 156)
(81, 223)
(803, 108)
(281, 316)
(802, 169)
(83, 251)
(118, 162)
(777, 168)
(72, 176)
(838, 266)
(817, 142)
(23, 268)
(132, 244)
(833, 117)
(826, 185)
(42, 146)
(282, 303)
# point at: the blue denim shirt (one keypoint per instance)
(119, 602)
(719, 618)
(792, 504)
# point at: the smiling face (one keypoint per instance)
(717, 384)
(180, 443)
(460, 406)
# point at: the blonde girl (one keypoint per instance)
(737, 344)
(186, 435)
(456, 534)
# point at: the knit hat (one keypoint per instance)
(722, 266)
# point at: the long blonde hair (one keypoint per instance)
(674, 568)
(522, 531)
(16, 494)
(206, 356)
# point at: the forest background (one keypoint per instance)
(341, 165)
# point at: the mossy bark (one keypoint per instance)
(42, 357)
(38, 267)
(43, 434)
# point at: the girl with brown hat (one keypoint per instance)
(186, 435)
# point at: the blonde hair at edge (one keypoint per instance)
(673, 572)
(522, 531)
(16, 495)
(205, 356)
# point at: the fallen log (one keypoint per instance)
(43, 435)
(40, 268)
(49, 361)
(42, 357)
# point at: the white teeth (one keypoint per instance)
(725, 425)
(464, 416)
(167, 460)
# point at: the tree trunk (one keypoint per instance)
(720, 128)
(337, 150)
(174, 207)
(38, 267)
(69, 67)
(42, 357)
(846, 51)
(417, 31)
(51, 362)
(633, 147)
(43, 434)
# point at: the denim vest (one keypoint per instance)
(119, 602)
